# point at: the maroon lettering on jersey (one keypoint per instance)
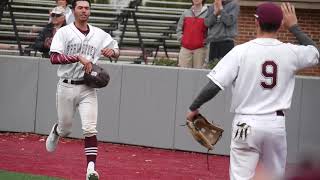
(269, 71)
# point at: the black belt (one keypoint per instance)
(279, 113)
(73, 82)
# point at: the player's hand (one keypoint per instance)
(289, 15)
(108, 52)
(191, 114)
(87, 64)
(88, 67)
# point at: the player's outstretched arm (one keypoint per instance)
(206, 94)
(290, 22)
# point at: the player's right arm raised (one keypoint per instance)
(290, 22)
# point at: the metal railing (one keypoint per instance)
(5, 4)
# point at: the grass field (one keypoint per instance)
(20, 176)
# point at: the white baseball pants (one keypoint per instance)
(265, 143)
(69, 97)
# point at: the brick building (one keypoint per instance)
(308, 13)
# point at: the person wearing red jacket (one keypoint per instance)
(192, 32)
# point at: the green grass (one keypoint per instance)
(5, 175)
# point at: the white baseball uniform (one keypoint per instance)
(261, 73)
(70, 41)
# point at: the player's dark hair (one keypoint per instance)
(203, 2)
(74, 3)
(266, 27)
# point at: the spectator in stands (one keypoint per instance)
(68, 12)
(43, 41)
(192, 32)
(222, 23)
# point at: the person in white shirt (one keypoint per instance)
(75, 48)
(68, 12)
(262, 75)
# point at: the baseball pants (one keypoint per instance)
(69, 98)
(265, 143)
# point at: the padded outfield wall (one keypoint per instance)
(143, 105)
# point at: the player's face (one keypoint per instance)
(82, 11)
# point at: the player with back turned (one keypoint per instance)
(262, 75)
(76, 47)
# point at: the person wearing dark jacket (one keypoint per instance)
(222, 23)
(43, 41)
(192, 33)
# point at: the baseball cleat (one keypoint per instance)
(91, 173)
(52, 140)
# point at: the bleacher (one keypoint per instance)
(156, 27)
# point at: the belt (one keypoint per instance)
(279, 113)
(73, 82)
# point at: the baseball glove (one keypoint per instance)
(206, 133)
(98, 78)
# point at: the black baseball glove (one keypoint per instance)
(98, 78)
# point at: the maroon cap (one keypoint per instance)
(269, 13)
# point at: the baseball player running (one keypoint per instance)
(76, 47)
(262, 75)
